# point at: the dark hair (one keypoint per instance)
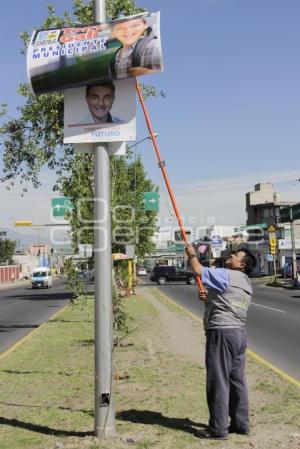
(107, 84)
(249, 259)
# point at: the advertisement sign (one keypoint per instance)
(100, 113)
(59, 59)
(287, 243)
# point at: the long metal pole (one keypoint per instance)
(104, 397)
(294, 257)
(161, 165)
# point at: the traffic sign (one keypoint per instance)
(290, 212)
(296, 211)
(272, 228)
(85, 250)
(272, 245)
(60, 206)
(151, 200)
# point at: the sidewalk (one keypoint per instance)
(15, 284)
(46, 386)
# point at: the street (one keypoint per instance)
(23, 309)
(273, 321)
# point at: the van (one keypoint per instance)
(41, 278)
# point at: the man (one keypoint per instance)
(228, 299)
(140, 53)
(100, 99)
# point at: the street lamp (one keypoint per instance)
(142, 140)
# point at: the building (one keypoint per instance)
(263, 209)
(263, 205)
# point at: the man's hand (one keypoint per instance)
(195, 264)
(203, 296)
(189, 249)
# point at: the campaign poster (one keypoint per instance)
(103, 112)
(59, 59)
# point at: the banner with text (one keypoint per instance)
(59, 59)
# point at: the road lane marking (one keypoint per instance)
(27, 336)
(271, 308)
(252, 354)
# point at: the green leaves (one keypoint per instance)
(7, 249)
(33, 140)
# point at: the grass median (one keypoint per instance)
(47, 388)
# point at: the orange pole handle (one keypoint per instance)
(161, 164)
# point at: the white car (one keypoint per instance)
(41, 277)
(142, 272)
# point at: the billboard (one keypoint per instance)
(100, 113)
(59, 59)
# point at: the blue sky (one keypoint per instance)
(231, 113)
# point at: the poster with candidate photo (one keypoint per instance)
(59, 59)
(103, 112)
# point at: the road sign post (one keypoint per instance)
(290, 214)
(104, 396)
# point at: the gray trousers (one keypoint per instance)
(226, 389)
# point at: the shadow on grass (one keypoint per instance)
(53, 373)
(58, 320)
(155, 418)
(42, 429)
(89, 342)
(48, 407)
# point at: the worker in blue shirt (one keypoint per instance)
(228, 299)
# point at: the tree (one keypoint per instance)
(35, 140)
(7, 249)
(131, 224)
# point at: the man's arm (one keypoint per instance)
(195, 264)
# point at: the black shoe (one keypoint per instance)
(238, 431)
(209, 434)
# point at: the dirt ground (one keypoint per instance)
(183, 336)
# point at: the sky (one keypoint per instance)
(230, 115)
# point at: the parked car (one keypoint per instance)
(41, 277)
(86, 275)
(164, 273)
(141, 272)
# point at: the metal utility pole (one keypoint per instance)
(293, 246)
(104, 397)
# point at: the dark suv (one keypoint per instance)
(162, 274)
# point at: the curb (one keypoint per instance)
(30, 334)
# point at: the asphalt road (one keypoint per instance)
(23, 309)
(273, 321)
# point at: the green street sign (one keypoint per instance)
(60, 206)
(151, 201)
